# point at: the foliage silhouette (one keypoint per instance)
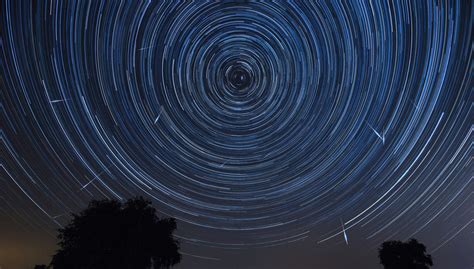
(41, 266)
(404, 255)
(112, 235)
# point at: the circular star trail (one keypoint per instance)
(254, 124)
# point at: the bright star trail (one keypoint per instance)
(254, 124)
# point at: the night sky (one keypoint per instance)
(279, 135)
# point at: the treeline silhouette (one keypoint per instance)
(113, 235)
(404, 255)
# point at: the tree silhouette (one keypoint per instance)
(404, 255)
(41, 266)
(112, 235)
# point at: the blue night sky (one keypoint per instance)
(279, 134)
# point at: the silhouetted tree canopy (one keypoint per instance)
(112, 235)
(404, 255)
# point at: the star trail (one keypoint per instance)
(255, 124)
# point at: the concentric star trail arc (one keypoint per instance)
(255, 124)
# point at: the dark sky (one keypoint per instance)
(280, 135)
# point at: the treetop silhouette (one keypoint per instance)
(404, 255)
(112, 235)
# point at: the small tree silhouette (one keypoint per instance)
(404, 255)
(112, 235)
